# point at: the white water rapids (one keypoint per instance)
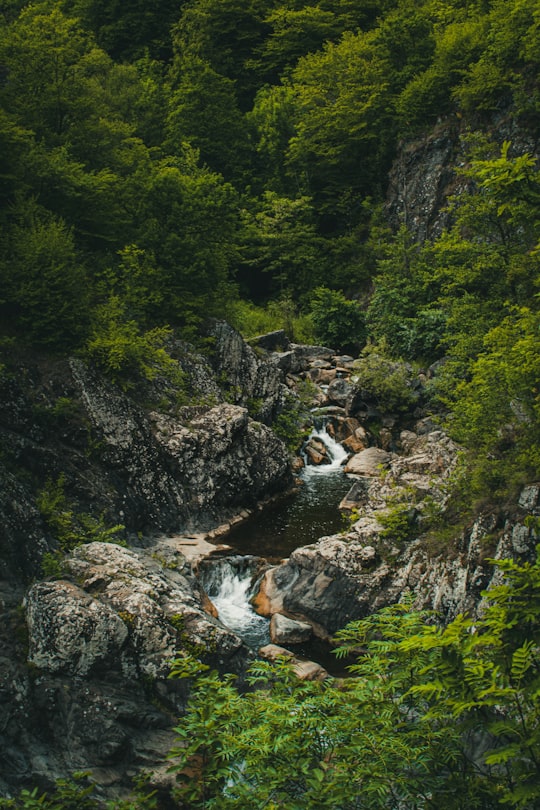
(229, 584)
(336, 453)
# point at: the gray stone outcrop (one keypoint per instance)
(248, 380)
(101, 642)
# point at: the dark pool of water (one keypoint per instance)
(296, 520)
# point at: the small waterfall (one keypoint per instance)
(335, 452)
(229, 584)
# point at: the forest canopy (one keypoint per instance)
(168, 163)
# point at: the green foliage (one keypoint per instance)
(387, 382)
(291, 423)
(252, 320)
(70, 528)
(428, 718)
(496, 410)
(77, 793)
(337, 321)
(204, 112)
(44, 279)
(118, 347)
(398, 524)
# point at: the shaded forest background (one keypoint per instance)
(162, 164)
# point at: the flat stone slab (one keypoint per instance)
(193, 546)
(368, 462)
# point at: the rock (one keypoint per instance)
(288, 631)
(269, 597)
(304, 670)
(323, 376)
(316, 451)
(308, 352)
(420, 181)
(24, 536)
(354, 497)
(97, 696)
(407, 439)
(69, 631)
(287, 362)
(528, 498)
(273, 652)
(368, 462)
(272, 341)
(309, 671)
(385, 437)
(340, 391)
(247, 378)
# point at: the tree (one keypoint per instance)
(281, 250)
(44, 280)
(128, 30)
(203, 111)
(343, 126)
(188, 224)
(337, 322)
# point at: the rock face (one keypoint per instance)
(84, 685)
(177, 475)
(423, 175)
(97, 696)
(384, 555)
(150, 466)
(249, 380)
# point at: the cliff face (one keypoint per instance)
(150, 467)
(425, 172)
(84, 659)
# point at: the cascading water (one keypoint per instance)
(273, 534)
(301, 519)
(336, 455)
(228, 581)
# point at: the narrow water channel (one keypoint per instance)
(272, 534)
(303, 517)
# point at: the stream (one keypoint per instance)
(272, 535)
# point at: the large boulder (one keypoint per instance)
(289, 631)
(370, 462)
(249, 380)
(95, 694)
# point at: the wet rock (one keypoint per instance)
(316, 452)
(288, 631)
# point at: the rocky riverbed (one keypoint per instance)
(85, 654)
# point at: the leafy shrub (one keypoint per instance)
(69, 527)
(403, 731)
(121, 350)
(398, 524)
(337, 321)
(387, 382)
